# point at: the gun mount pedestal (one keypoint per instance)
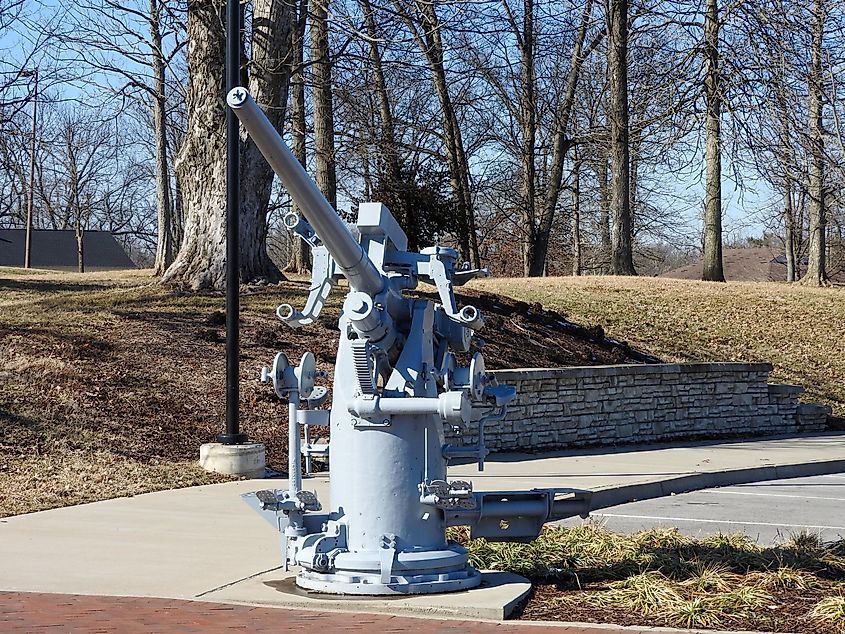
(397, 382)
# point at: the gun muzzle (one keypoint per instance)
(344, 248)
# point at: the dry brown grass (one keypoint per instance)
(797, 329)
(109, 383)
(65, 477)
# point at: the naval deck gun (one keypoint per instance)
(397, 382)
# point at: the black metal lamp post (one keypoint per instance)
(233, 435)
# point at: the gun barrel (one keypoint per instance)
(349, 255)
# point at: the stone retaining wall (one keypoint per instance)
(624, 404)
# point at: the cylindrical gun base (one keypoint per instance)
(357, 583)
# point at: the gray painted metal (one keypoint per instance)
(344, 249)
(396, 384)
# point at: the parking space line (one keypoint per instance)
(771, 495)
(838, 479)
(689, 519)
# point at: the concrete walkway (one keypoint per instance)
(205, 543)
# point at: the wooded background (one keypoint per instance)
(539, 137)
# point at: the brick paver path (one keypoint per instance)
(35, 612)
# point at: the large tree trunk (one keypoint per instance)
(576, 219)
(712, 260)
(604, 213)
(816, 267)
(177, 216)
(789, 240)
(528, 123)
(321, 66)
(269, 81)
(200, 167)
(622, 254)
(300, 261)
(560, 146)
(165, 246)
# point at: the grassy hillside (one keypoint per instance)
(109, 383)
(799, 330)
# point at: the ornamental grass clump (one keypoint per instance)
(590, 548)
(695, 612)
(833, 557)
(743, 600)
(783, 578)
(646, 594)
(830, 612)
(710, 577)
(734, 550)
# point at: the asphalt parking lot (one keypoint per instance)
(767, 511)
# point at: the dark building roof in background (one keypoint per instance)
(56, 249)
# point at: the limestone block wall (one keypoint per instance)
(624, 404)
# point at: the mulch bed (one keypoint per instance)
(788, 612)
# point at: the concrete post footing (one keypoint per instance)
(247, 460)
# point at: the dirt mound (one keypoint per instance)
(521, 335)
(753, 264)
(137, 374)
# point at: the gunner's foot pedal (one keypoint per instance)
(309, 500)
(269, 500)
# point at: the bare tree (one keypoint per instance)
(816, 274)
(560, 142)
(712, 260)
(79, 170)
(604, 209)
(577, 261)
(622, 254)
(166, 244)
(300, 258)
(421, 18)
(321, 70)
(774, 133)
(133, 44)
(528, 122)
